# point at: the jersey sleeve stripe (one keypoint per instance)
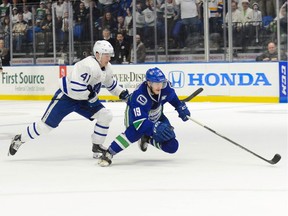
(113, 86)
(64, 84)
(78, 90)
(80, 84)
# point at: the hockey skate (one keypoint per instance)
(98, 150)
(105, 159)
(15, 145)
(143, 143)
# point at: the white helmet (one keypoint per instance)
(103, 46)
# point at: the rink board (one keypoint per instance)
(222, 82)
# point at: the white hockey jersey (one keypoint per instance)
(86, 75)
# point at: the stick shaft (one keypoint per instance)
(231, 141)
(194, 94)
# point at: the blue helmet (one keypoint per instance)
(155, 75)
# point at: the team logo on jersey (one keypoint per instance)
(141, 99)
(177, 78)
(163, 97)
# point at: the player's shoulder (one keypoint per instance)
(141, 95)
(168, 88)
(86, 62)
(108, 68)
(90, 63)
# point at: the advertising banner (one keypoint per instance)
(29, 82)
(246, 82)
(283, 81)
(222, 82)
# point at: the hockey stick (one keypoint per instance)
(190, 97)
(274, 160)
(194, 94)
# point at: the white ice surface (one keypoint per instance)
(55, 175)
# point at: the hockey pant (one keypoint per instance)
(131, 135)
(59, 107)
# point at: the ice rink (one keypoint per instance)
(56, 175)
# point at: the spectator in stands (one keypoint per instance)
(41, 12)
(189, 15)
(14, 16)
(65, 31)
(14, 3)
(121, 27)
(267, 7)
(27, 15)
(59, 9)
(272, 27)
(128, 22)
(246, 12)
(48, 9)
(149, 17)
(106, 5)
(109, 23)
(246, 17)
(254, 24)
(140, 19)
(171, 12)
(5, 29)
(140, 51)
(59, 13)
(283, 18)
(236, 23)
(66, 5)
(96, 15)
(4, 9)
(236, 13)
(215, 9)
(46, 27)
(4, 54)
(19, 31)
(81, 15)
(271, 54)
(124, 5)
(122, 50)
(256, 15)
(106, 35)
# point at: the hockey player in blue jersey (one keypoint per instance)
(78, 93)
(144, 118)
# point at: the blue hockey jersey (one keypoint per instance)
(144, 108)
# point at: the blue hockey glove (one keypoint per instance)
(162, 132)
(124, 95)
(183, 111)
(93, 101)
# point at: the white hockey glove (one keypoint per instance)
(93, 101)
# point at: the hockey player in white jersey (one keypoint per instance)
(79, 93)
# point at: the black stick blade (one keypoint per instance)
(194, 94)
(276, 159)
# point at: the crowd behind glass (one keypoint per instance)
(170, 28)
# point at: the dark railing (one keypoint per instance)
(50, 39)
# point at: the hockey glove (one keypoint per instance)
(162, 132)
(183, 111)
(93, 101)
(124, 95)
